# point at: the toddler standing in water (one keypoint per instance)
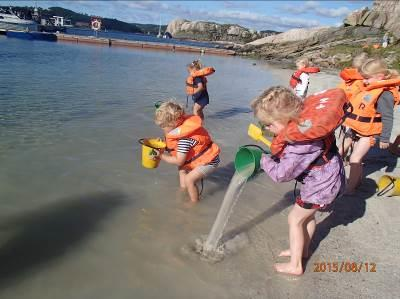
(196, 86)
(190, 146)
(315, 163)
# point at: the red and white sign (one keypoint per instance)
(96, 23)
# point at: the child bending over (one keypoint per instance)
(314, 163)
(189, 144)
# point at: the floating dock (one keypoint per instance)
(140, 44)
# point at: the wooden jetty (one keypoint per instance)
(141, 44)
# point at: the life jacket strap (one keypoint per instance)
(364, 119)
(199, 154)
(296, 78)
(326, 156)
(321, 160)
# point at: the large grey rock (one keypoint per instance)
(210, 31)
(234, 30)
(384, 14)
(376, 19)
(317, 46)
(290, 36)
(175, 25)
(355, 17)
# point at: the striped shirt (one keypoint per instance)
(185, 144)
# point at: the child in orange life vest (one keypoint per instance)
(314, 162)
(372, 115)
(196, 86)
(190, 146)
(353, 81)
(300, 79)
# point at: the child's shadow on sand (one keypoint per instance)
(380, 159)
(345, 210)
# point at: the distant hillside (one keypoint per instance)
(109, 24)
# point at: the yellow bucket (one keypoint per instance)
(149, 145)
(388, 185)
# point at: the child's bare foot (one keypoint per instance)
(287, 268)
(286, 253)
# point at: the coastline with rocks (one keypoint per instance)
(327, 47)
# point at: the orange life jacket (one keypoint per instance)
(295, 79)
(203, 152)
(364, 119)
(190, 87)
(322, 113)
(352, 83)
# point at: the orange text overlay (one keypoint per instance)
(340, 267)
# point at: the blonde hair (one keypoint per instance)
(359, 60)
(374, 66)
(195, 64)
(169, 114)
(304, 61)
(277, 103)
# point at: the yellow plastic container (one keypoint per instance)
(388, 185)
(149, 145)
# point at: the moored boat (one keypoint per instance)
(10, 21)
(32, 35)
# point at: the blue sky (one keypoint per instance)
(259, 15)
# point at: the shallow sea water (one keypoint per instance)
(80, 217)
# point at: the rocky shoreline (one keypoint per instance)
(327, 47)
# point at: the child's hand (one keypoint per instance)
(383, 145)
(155, 154)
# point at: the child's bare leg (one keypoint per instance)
(308, 234)
(344, 146)
(190, 182)
(198, 110)
(182, 176)
(361, 148)
(297, 226)
(311, 224)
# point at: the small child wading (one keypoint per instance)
(196, 86)
(190, 146)
(298, 154)
(300, 78)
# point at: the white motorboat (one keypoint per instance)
(10, 21)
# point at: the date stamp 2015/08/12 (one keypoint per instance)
(340, 267)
